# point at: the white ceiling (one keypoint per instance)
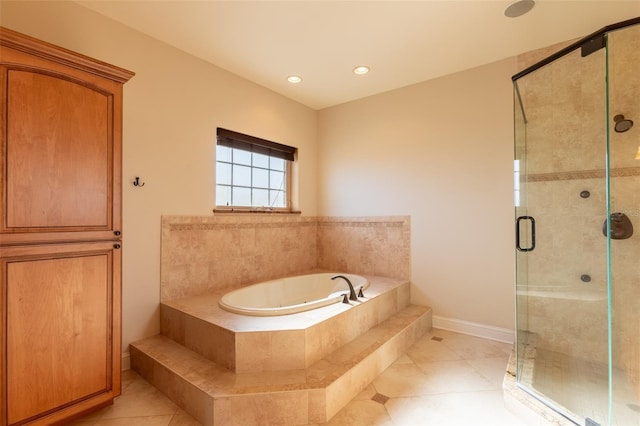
(404, 42)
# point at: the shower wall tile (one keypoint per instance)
(569, 244)
(624, 98)
(566, 154)
(624, 93)
(583, 334)
(625, 267)
(563, 104)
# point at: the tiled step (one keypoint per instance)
(215, 395)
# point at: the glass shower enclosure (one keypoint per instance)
(577, 165)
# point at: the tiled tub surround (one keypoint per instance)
(204, 254)
(377, 246)
(229, 369)
(217, 253)
(252, 344)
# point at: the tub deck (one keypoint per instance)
(286, 342)
(206, 308)
(217, 396)
(225, 369)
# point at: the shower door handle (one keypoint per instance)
(533, 233)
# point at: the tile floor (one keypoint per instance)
(456, 381)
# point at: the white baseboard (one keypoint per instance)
(474, 329)
(126, 361)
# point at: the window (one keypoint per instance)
(252, 173)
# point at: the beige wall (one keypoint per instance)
(171, 110)
(442, 152)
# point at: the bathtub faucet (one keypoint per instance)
(352, 292)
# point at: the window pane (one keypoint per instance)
(276, 199)
(223, 153)
(277, 164)
(260, 198)
(241, 157)
(277, 180)
(241, 175)
(223, 173)
(241, 197)
(260, 178)
(223, 195)
(260, 160)
(249, 179)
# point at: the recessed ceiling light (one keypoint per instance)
(294, 79)
(362, 69)
(519, 8)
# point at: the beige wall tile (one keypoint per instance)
(317, 406)
(287, 350)
(566, 133)
(282, 408)
(374, 246)
(270, 351)
(216, 253)
(253, 351)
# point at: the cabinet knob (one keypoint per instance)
(117, 233)
(116, 246)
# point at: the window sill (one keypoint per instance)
(254, 211)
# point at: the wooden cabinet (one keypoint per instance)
(61, 307)
(60, 231)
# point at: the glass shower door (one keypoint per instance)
(561, 260)
(523, 234)
(623, 72)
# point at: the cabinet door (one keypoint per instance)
(60, 343)
(60, 153)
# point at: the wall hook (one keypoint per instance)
(137, 182)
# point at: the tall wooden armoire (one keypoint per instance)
(60, 231)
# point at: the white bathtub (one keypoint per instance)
(290, 295)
